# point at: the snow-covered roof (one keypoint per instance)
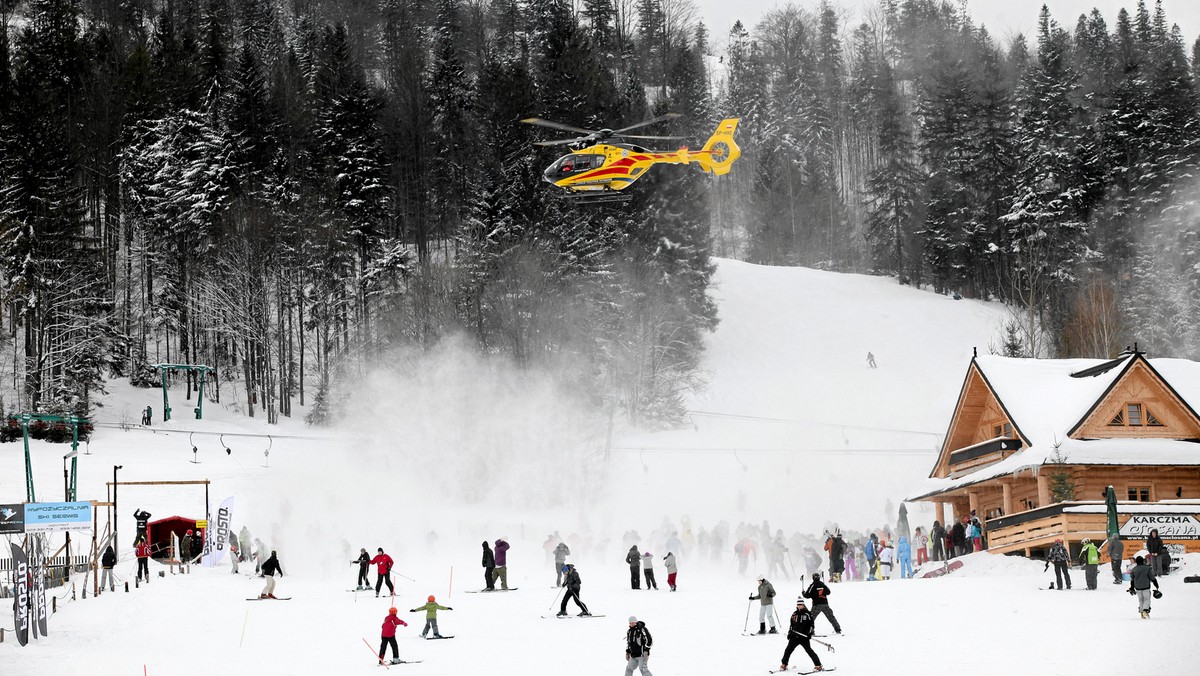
(1045, 403)
(1165, 507)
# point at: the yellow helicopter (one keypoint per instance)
(598, 172)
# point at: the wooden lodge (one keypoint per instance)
(1130, 423)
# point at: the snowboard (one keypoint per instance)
(489, 591)
(569, 617)
(938, 572)
(796, 671)
(281, 598)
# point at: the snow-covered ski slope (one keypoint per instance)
(461, 450)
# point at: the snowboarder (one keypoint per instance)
(364, 565)
(1140, 579)
(634, 559)
(389, 634)
(800, 632)
(637, 647)
(269, 568)
(1090, 558)
(904, 557)
(142, 550)
(501, 571)
(185, 551)
(430, 608)
(107, 561)
(572, 582)
(766, 608)
(561, 552)
(1059, 557)
(383, 570)
(938, 534)
(489, 567)
(648, 571)
(818, 593)
(1116, 553)
(672, 569)
(143, 519)
(870, 360)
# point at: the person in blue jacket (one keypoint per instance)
(869, 552)
(904, 554)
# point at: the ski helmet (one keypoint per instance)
(189, 531)
(432, 599)
(392, 611)
(566, 567)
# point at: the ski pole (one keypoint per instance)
(406, 578)
(556, 595)
(746, 624)
(385, 664)
(823, 643)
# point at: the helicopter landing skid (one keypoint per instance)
(586, 198)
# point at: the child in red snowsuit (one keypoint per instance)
(389, 634)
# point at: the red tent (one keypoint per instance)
(159, 533)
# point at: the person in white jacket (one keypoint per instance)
(886, 556)
(672, 569)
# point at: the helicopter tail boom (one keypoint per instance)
(720, 151)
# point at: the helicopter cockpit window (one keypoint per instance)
(572, 164)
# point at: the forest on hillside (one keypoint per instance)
(290, 191)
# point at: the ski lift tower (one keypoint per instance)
(187, 368)
(74, 422)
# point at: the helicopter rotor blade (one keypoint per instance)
(561, 141)
(556, 125)
(656, 138)
(660, 118)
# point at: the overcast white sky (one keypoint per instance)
(1002, 17)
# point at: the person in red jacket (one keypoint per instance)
(143, 557)
(384, 569)
(389, 634)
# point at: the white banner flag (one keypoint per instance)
(216, 536)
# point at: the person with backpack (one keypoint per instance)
(572, 582)
(364, 567)
(1059, 557)
(561, 552)
(648, 571)
(1089, 556)
(818, 593)
(269, 568)
(383, 569)
(389, 635)
(107, 561)
(142, 550)
(431, 607)
(634, 559)
(1140, 579)
(800, 633)
(637, 647)
(489, 567)
(766, 605)
(672, 569)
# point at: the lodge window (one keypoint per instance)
(1139, 493)
(1134, 415)
(1004, 430)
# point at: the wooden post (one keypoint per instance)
(1006, 487)
(973, 503)
(1043, 484)
(941, 512)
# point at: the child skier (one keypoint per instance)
(389, 635)
(573, 583)
(648, 571)
(143, 559)
(799, 633)
(430, 609)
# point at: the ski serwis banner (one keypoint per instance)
(20, 594)
(216, 539)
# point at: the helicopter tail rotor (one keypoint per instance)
(720, 151)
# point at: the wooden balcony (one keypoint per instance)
(1038, 528)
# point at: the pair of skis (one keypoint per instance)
(814, 671)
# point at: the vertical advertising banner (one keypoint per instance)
(217, 535)
(39, 584)
(20, 594)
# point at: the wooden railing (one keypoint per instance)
(1040, 533)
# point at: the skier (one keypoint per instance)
(1140, 579)
(904, 557)
(383, 570)
(142, 550)
(489, 567)
(1090, 558)
(389, 635)
(799, 633)
(819, 594)
(776, 550)
(648, 571)
(634, 559)
(143, 519)
(938, 534)
(766, 608)
(870, 360)
(637, 647)
(364, 565)
(1059, 557)
(107, 561)
(430, 608)
(501, 563)
(269, 568)
(572, 582)
(561, 552)
(672, 569)
(869, 552)
(185, 551)
(886, 556)
(1116, 553)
